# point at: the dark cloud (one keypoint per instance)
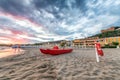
(59, 17)
(10, 6)
(81, 4)
(15, 7)
(61, 4)
(43, 3)
(18, 8)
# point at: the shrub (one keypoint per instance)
(62, 44)
(112, 46)
(108, 46)
(115, 43)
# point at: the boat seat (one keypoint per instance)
(55, 47)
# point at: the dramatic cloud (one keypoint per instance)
(31, 21)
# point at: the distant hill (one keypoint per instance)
(108, 34)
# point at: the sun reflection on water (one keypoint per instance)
(4, 52)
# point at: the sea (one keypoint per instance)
(8, 51)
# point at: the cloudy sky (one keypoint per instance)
(32, 21)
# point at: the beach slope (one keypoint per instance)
(79, 65)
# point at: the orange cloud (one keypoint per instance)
(11, 40)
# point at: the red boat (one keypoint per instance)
(55, 51)
(45, 51)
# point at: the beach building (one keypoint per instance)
(112, 39)
(86, 41)
(102, 41)
(76, 42)
(52, 43)
(109, 40)
(90, 41)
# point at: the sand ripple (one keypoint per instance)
(78, 65)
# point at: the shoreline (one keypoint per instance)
(10, 52)
(79, 65)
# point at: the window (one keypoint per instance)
(116, 39)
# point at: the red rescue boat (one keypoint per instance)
(45, 51)
(56, 51)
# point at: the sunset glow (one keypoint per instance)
(33, 21)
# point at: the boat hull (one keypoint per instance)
(45, 51)
(55, 51)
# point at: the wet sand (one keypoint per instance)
(79, 65)
(9, 52)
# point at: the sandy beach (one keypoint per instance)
(79, 65)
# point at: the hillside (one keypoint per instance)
(108, 34)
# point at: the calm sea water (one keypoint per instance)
(7, 51)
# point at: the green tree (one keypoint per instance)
(106, 45)
(115, 43)
(62, 44)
